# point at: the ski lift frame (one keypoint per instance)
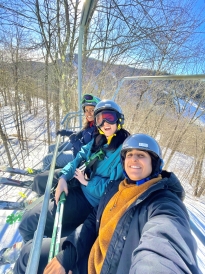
(158, 77)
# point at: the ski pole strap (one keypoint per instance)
(99, 155)
(91, 164)
(56, 236)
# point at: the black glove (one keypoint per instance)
(73, 138)
(64, 132)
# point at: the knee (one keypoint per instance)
(25, 229)
(22, 261)
(47, 158)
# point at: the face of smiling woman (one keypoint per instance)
(138, 164)
(89, 113)
(108, 129)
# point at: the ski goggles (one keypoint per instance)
(88, 98)
(109, 116)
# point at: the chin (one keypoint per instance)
(135, 178)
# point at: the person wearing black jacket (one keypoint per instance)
(140, 226)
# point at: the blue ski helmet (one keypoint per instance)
(147, 143)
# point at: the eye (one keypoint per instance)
(128, 155)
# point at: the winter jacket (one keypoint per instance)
(106, 170)
(81, 138)
(153, 236)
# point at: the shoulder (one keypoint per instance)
(110, 190)
(172, 183)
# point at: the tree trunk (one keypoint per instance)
(4, 139)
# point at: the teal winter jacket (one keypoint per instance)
(108, 169)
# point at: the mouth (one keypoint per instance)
(135, 167)
(107, 128)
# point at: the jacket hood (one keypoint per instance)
(172, 183)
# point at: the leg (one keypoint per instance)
(21, 263)
(64, 158)
(66, 145)
(47, 161)
(40, 180)
(29, 222)
(76, 210)
(51, 148)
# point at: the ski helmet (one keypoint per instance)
(146, 143)
(109, 106)
(89, 100)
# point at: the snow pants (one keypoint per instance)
(40, 181)
(21, 263)
(65, 156)
(76, 210)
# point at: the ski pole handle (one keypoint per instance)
(56, 235)
(60, 219)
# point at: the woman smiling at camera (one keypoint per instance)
(141, 222)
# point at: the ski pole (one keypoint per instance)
(56, 236)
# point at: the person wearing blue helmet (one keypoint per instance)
(140, 225)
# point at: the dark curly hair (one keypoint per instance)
(100, 140)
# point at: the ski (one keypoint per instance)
(17, 183)
(6, 205)
(27, 171)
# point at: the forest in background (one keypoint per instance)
(38, 68)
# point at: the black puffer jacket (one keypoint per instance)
(153, 236)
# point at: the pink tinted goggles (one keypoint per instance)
(107, 115)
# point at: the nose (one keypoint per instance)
(105, 123)
(135, 157)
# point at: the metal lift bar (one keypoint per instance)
(158, 77)
(34, 255)
(38, 236)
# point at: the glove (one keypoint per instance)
(64, 132)
(73, 138)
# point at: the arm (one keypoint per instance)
(68, 171)
(166, 244)
(64, 132)
(83, 137)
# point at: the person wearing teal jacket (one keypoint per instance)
(106, 170)
(83, 196)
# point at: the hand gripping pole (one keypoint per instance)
(56, 236)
